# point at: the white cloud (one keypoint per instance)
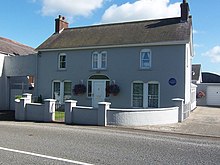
(198, 45)
(70, 8)
(214, 54)
(195, 31)
(141, 9)
(198, 32)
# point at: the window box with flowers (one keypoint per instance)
(113, 89)
(200, 94)
(79, 89)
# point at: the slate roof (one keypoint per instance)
(139, 32)
(196, 71)
(14, 48)
(210, 77)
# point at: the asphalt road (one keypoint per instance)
(40, 143)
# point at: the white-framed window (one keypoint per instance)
(146, 95)
(61, 90)
(62, 61)
(67, 90)
(145, 59)
(153, 94)
(99, 60)
(137, 94)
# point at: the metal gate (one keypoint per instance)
(59, 112)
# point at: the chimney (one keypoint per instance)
(60, 24)
(184, 11)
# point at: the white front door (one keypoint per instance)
(98, 88)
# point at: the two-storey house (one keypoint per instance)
(149, 60)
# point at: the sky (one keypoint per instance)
(31, 22)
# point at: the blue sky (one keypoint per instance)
(32, 21)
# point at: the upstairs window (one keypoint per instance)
(99, 60)
(145, 59)
(62, 61)
(95, 63)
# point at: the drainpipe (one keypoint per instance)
(36, 72)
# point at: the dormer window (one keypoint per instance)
(99, 60)
(62, 61)
(145, 59)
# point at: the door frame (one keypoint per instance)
(93, 92)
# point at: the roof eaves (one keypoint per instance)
(119, 46)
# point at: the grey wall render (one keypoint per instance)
(123, 66)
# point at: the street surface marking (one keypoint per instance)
(44, 156)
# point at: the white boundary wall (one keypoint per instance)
(105, 115)
(102, 116)
(138, 117)
(27, 111)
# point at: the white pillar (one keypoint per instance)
(102, 113)
(49, 110)
(179, 103)
(28, 96)
(69, 105)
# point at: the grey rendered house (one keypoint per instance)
(150, 61)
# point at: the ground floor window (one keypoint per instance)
(138, 94)
(61, 90)
(153, 95)
(145, 95)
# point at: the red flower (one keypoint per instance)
(79, 89)
(200, 94)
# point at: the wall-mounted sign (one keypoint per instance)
(172, 81)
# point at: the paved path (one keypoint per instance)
(203, 121)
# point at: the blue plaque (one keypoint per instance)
(172, 81)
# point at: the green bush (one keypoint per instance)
(18, 97)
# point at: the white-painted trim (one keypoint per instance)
(43, 156)
(155, 82)
(62, 54)
(145, 95)
(132, 90)
(61, 88)
(93, 86)
(99, 60)
(119, 46)
(150, 57)
(58, 81)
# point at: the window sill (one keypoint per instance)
(145, 69)
(61, 70)
(99, 69)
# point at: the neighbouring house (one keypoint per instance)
(208, 92)
(141, 64)
(13, 71)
